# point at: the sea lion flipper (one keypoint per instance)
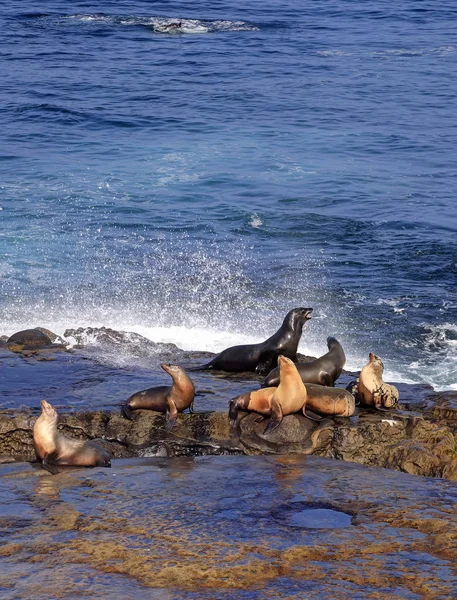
(326, 379)
(172, 413)
(275, 418)
(48, 460)
(205, 367)
(126, 412)
(265, 364)
(310, 414)
(233, 412)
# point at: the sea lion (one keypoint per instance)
(166, 399)
(322, 371)
(55, 449)
(371, 388)
(288, 398)
(329, 401)
(260, 358)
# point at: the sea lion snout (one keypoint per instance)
(48, 409)
(173, 368)
(306, 312)
(284, 361)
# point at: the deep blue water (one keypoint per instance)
(196, 186)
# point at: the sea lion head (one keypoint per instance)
(48, 411)
(284, 362)
(173, 370)
(298, 316)
(375, 361)
(235, 404)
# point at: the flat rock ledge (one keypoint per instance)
(416, 443)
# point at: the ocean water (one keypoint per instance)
(195, 185)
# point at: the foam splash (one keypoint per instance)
(255, 221)
(168, 25)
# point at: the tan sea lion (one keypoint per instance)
(330, 401)
(290, 394)
(55, 449)
(289, 397)
(166, 399)
(372, 389)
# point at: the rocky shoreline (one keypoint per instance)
(419, 438)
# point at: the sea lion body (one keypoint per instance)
(322, 371)
(260, 358)
(326, 400)
(55, 449)
(166, 399)
(372, 390)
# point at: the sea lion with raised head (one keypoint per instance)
(290, 394)
(164, 398)
(372, 390)
(261, 357)
(322, 371)
(289, 397)
(57, 450)
(331, 401)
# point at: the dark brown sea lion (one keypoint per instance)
(166, 399)
(323, 371)
(262, 357)
(329, 401)
(55, 449)
(288, 398)
(372, 390)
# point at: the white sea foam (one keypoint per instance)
(168, 25)
(255, 221)
(438, 372)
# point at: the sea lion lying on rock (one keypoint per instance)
(289, 397)
(322, 371)
(262, 357)
(330, 401)
(55, 449)
(164, 398)
(370, 389)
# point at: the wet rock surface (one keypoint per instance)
(226, 527)
(88, 384)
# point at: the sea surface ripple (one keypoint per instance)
(195, 184)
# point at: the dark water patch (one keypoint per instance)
(313, 515)
(320, 518)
